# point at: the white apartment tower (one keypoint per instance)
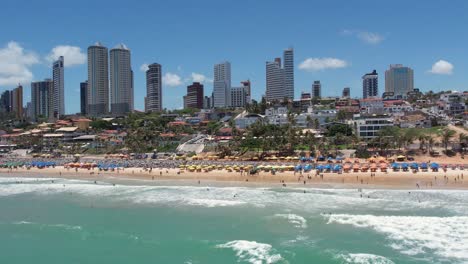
(153, 99)
(280, 79)
(58, 91)
(121, 80)
(222, 85)
(98, 80)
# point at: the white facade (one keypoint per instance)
(58, 93)
(275, 81)
(280, 80)
(121, 80)
(222, 85)
(368, 127)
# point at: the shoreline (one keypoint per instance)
(450, 180)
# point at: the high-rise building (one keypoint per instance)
(153, 100)
(317, 89)
(195, 96)
(306, 96)
(288, 57)
(280, 80)
(58, 93)
(346, 92)
(98, 80)
(240, 96)
(275, 83)
(5, 102)
(83, 97)
(399, 80)
(222, 84)
(121, 80)
(42, 99)
(370, 85)
(17, 102)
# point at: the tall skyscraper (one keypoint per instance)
(58, 92)
(42, 99)
(280, 80)
(370, 84)
(195, 96)
(17, 102)
(83, 97)
(5, 102)
(346, 92)
(121, 80)
(317, 89)
(153, 100)
(399, 80)
(288, 57)
(98, 80)
(275, 83)
(222, 84)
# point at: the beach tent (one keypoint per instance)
(298, 168)
(320, 168)
(424, 166)
(414, 166)
(347, 167)
(328, 167)
(337, 168)
(395, 166)
(434, 166)
(404, 166)
(307, 168)
(383, 167)
(356, 168)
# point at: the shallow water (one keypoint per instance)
(73, 221)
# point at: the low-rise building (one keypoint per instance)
(368, 126)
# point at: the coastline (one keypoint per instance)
(450, 180)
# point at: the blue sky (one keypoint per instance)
(342, 40)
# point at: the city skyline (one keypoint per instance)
(338, 54)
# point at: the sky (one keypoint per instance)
(334, 41)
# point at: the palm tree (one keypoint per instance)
(447, 134)
(462, 139)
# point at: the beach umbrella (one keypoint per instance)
(424, 166)
(414, 166)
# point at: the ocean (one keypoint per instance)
(45, 220)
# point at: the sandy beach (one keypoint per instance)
(451, 179)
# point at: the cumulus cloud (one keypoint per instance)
(366, 36)
(198, 77)
(172, 79)
(144, 67)
(15, 64)
(442, 67)
(72, 55)
(318, 64)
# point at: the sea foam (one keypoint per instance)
(362, 258)
(252, 252)
(446, 237)
(294, 219)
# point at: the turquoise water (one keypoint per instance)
(70, 221)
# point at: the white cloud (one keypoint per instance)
(15, 64)
(198, 77)
(72, 55)
(366, 36)
(318, 64)
(144, 67)
(370, 37)
(172, 79)
(442, 67)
